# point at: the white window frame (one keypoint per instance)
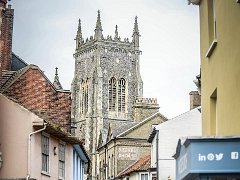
(214, 41)
(143, 173)
(47, 154)
(60, 160)
(117, 97)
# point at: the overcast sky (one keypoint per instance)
(44, 33)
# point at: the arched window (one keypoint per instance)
(121, 95)
(84, 97)
(112, 94)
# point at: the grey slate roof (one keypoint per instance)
(17, 63)
(119, 127)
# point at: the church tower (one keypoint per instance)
(106, 83)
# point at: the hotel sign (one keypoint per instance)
(208, 157)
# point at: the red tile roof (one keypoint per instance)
(141, 165)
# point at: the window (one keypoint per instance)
(100, 170)
(61, 166)
(84, 97)
(45, 153)
(109, 166)
(121, 95)
(112, 94)
(117, 95)
(144, 176)
(112, 166)
(212, 28)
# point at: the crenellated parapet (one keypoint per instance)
(107, 43)
(149, 101)
(145, 107)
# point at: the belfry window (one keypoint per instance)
(121, 95)
(112, 94)
(117, 95)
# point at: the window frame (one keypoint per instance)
(145, 174)
(62, 160)
(112, 94)
(117, 94)
(45, 154)
(212, 41)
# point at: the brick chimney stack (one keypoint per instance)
(6, 31)
(195, 99)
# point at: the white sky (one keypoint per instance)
(44, 33)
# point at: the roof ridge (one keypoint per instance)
(136, 165)
(14, 77)
(140, 123)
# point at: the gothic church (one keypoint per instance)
(107, 87)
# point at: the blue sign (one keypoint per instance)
(208, 157)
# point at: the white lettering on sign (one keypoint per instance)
(127, 153)
(234, 155)
(182, 165)
(210, 157)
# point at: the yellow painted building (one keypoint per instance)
(220, 66)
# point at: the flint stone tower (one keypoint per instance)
(106, 84)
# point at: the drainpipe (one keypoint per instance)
(29, 149)
(157, 139)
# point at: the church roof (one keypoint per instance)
(141, 165)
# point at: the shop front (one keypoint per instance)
(208, 158)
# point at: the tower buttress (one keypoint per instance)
(136, 35)
(116, 33)
(79, 38)
(98, 30)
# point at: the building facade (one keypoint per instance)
(164, 139)
(125, 144)
(215, 155)
(33, 148)
(220, 72)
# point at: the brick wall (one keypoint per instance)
(33, 91)
(6, 26)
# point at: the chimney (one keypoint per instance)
(145, 107)
(195, 99)
(6, 31)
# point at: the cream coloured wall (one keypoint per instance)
(36, 161)
(220, 72)
(15, 126)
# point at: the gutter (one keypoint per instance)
(157, 139)
(29, 150)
